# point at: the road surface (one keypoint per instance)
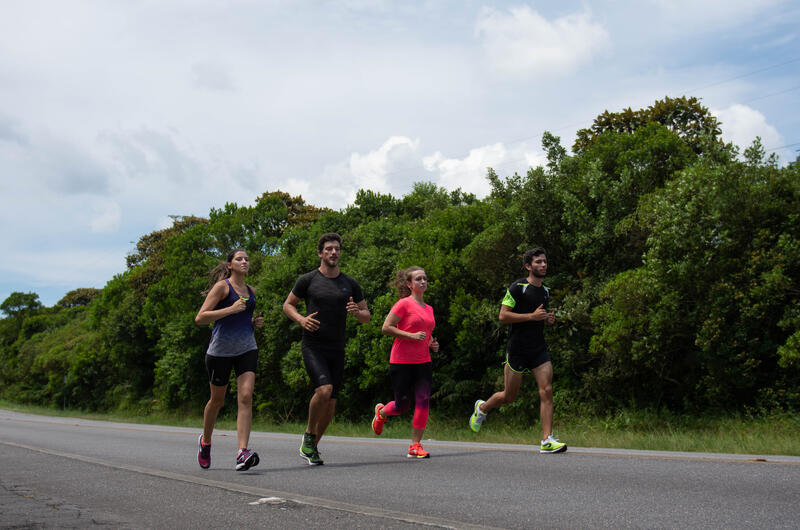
(74, 473)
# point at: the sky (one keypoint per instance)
(117, 114)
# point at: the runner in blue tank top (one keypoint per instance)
(230, 304)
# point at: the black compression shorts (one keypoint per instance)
(520, 362)
(324, 366)
(219, 368)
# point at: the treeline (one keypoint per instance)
(674, 268)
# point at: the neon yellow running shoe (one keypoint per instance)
(477, 417)
(552, 445)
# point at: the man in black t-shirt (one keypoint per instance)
(329, 295)
(525, 308)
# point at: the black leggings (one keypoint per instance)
(408, 378)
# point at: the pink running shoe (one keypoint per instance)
(416, 451)
(203, 453)
(377, 421)
(245, 459)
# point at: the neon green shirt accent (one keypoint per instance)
(508, 300)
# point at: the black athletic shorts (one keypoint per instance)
(324, 366)
(520, 362)
(219, 368)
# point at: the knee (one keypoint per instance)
(324, 392)
(402, 405)
(216, 402)
(546, 393)
(245, 399)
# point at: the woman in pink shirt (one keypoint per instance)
(411, 323)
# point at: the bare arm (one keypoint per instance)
(208, 314)
(308, 323)
(390, 328)
(509, 317)
(359, 310)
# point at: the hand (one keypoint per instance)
(434, 345)
(539, 314)
(310, 323)
(352, 307)
(258, 321)
(551, 317)
(419, 335)
(238, 306)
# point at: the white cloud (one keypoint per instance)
(399, 162)
(741, 124)
(469, 173)
(114, 115)
(522, 42)
(370, 170)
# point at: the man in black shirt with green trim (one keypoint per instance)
(525, 308)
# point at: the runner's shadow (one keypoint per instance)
(383, 462)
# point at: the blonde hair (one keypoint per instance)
(403, 276)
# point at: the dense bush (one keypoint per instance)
(674, 265)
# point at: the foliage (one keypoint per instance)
(674, 268)
(20, 305)
(79, 297)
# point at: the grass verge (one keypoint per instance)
(774, 434)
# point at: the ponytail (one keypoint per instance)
(221, 271)
(403, 276)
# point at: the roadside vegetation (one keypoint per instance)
(674, 266)
(774, 434)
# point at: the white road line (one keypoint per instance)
(262, 493)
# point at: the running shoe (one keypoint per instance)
(416, 451)
(477, 416)
(246, 459)
(377, 421)
(203, 453)
(552, 445)
(308, 450)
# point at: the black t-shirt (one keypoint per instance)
(328, 297)
(523, 297)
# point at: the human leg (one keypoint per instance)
(319, 409)
(245, 367)
(325, 418)
(215, 402)
(423, 376)
(402, 376)
(219, 370)
(244, 415)
(402, 385)
(544, 380)
(423, 381)
(512, 380)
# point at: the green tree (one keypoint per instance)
(18, 305)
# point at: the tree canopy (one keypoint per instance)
(674, 272)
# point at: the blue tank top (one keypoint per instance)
(233, 335)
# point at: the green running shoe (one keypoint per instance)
(308, 450)
(552, 445)
(477, 417)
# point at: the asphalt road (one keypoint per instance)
(72, 473)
